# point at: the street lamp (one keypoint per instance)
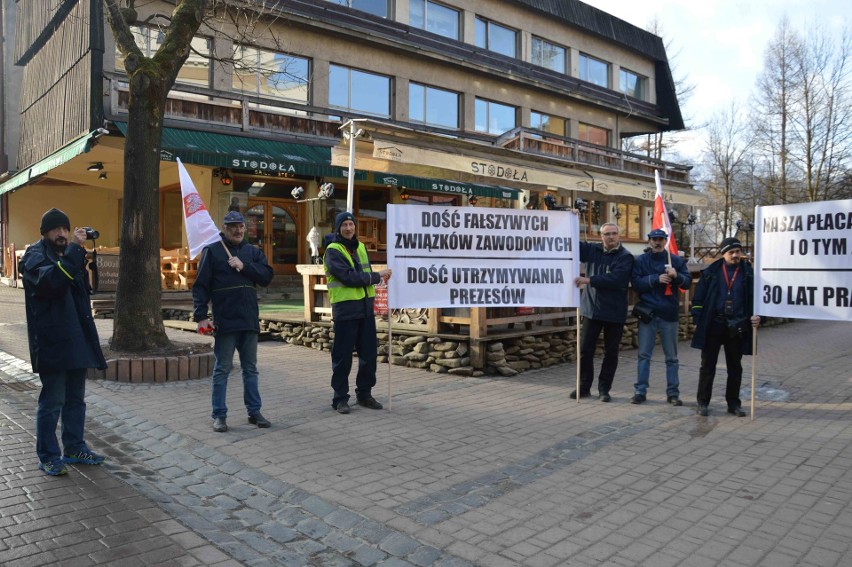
(746, 227)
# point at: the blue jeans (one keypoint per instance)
(244, 342)
(63, 394)
(668, 338)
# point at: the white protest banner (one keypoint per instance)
(480, 257)
(803, 260)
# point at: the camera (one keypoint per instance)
(91, 233)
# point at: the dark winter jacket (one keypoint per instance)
(233, 293)
(652, 293)
(705, 305)
(605, 298)
(338, 265)
(60, 327)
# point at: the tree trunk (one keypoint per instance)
(139, 323)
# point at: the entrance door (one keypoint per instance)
(273, 226)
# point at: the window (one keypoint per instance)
(195, 70)
(594, 135)
(271, 74)
(551, 124)
(496, 38)
(546, 54)
(493, 117)
(434, 17)
(375, 7)
(632, 84)
(629, 219)
(359, 91)
(436, 107)
(594, 70)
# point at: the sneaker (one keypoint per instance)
(258, 420)
(604, 397)
(53, 468)
(370, 403)
(220, 425)
(703, 410)
(573, 394)
(637, 398)
(343, 407)
(674, 400)
(85, 457)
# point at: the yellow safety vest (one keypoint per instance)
(337, 291)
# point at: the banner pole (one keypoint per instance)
(577, 346)
(390, 353)
(753, 367)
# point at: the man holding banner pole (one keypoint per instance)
(604, 308)
(351, 292)
(723, 311)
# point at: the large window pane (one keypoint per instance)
(594, 135)
(496, 38)
(594, 70)
(546, 54)
(376, 7)
(632, 84)
(359, 91)
(547, 123)
(434, 17)
(271, 74)
(196, 69)
(493, 117)
(437, 107)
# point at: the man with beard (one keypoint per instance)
(656, 282)
(227, 275)
(723, 311)
(63, 340)
(604, 307)
(351, 292)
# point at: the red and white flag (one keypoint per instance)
(200, 228)
(661, 217)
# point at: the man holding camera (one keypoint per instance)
(657, 282)
(723, 311)
(63, 340)
(228, 272)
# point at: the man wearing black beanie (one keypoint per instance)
(63, 340)
(351, 290)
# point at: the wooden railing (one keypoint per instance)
(570, 149)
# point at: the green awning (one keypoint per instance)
(71, 150)
(242, 152)
(445, 186)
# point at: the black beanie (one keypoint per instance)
(341, 217)
(54, 218)
(729, 244)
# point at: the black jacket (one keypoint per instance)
(605, 298)
(60, 327)
(233, 293)
(703, 307)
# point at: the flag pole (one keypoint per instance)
(753, 367)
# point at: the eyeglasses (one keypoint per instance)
(610, 233)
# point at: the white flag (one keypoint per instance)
(200, 228)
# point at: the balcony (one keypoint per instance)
(581, 153)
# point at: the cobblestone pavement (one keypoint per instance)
(461, 471)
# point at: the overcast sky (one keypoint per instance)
(718, 45)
